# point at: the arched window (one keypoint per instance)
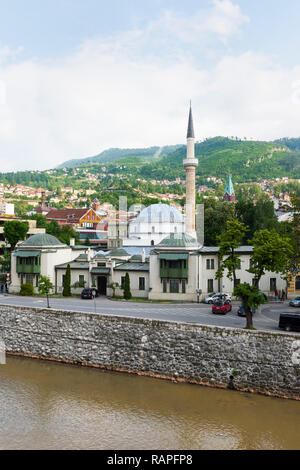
(152, 242)
(297, 283)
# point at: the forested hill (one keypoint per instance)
(115, 154)
(291, 142)
(247, 161)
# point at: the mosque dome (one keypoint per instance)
(41, 239)
(157, 213)
(180, 240)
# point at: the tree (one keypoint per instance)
(257, 216)
(127, 292)
(251, 299)
(14, 231)
(45, 287)
(295, 234)
(41, 221)
(216, 214)
(21, 208)
(113, 286)
(229, 241)
(53, 228)
(5, 261)
(271, 252)
(66, 233)
(67, 283)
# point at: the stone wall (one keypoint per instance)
(258, 361)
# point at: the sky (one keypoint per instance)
(80, 76)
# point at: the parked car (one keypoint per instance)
(90, 293)
(241, 311)
(210, 298)
(295, 302)
(289, 321)
(221, 306)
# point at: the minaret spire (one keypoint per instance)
(190, 131)
(190, 163)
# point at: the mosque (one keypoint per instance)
(162, 255)
(158, 221)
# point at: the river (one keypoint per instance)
(46, 405)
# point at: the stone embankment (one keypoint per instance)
(256, 361)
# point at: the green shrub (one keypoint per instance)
(67, 283)
(127, 292)
(27, 289)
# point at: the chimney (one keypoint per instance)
(43, 203)
(143, 256)
(72, 241)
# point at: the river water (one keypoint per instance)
(45, 405)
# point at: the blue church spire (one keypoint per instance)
(229, 194)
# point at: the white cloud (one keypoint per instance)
(222, 21)
(115, 92)
(226, 19)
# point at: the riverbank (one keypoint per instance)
(255, 361)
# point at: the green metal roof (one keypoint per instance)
(74, 265)
(27, 254)
(118, 252)
(132, 267)
(100, 271)
(82, 257)
(173, 256)
(41, 239)
(136, 258)
(178, 240)
(100, 256)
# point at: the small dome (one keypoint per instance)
(136, 258)
(118, 252)
(179, 240)
(42, 239)
(99, 256)
(159, 213)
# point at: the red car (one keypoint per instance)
(221, 307)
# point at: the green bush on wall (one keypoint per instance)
(27, 289)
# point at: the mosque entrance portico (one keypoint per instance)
(102, 285)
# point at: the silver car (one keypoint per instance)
(210, 298)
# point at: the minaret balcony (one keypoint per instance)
(190, 162)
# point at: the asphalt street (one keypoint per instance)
(267, 319)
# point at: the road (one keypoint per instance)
(267, 319)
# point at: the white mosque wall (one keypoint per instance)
(134, 283)
(199, 275)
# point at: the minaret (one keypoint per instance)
(190, 164)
